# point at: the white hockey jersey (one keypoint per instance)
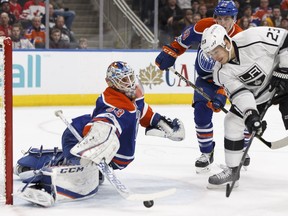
(246, 78)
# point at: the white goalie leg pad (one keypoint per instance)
(75, 182)
(63, 184)
(100, 143)
(173, 130)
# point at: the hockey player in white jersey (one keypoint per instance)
(249, 66)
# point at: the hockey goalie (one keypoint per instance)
(109, 134)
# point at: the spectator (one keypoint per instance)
(36, 33)
(33, 8)
(15, 8)
(195, 6)
(284, 23)
(196, 18)
(61, 10)
(5, 7)
(83, 43)
(66, 34)
(186, 21)
(203, 11)
(184, 4)
(244, 23)
(211, 4)
(263, 11)
(247, 12)
(284, 5)
(56, 41)
(18, 40)
(167, 15)
(275, 19)
(5, 28)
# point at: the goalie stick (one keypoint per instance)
(272, 145)
(109, 174)
(229, 187)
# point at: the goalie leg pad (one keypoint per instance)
(62, 184)
(100, 143)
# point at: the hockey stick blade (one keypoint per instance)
(275, 144)
(109, 174)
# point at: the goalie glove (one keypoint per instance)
(167, 128)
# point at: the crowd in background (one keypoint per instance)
(24, 20)
(176, 15)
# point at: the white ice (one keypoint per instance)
(162, 164)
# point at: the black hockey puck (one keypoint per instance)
(148, 204)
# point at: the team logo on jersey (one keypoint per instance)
(186, 34)
(253, 77)
(206, 63)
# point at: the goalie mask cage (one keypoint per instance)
(6, 136)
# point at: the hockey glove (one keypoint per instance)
(167, 57)
(253, 122)
(279, 80)
(218, 101)
(167, 128)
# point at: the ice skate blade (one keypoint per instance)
(221, 186)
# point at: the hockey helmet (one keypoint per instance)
(121, 77)
(213, 37)
(226, 8)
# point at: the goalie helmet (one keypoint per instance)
(226, 8)
(121, 77)
(213, 37)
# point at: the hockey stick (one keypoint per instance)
(196, 88)
(229, 187)
(272, 145)
(109, 174)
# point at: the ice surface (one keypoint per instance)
(161, 164)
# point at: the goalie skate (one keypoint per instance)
(220, 180)
(203, 162)
(36, 196)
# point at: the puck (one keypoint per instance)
(148, 204)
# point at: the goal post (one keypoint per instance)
(6, 127)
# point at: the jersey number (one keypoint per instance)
(273, 33)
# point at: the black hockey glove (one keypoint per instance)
(253, 122)
(279, 80)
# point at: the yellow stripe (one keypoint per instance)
(89, 99)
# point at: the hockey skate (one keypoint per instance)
(203, 162)
(221, 179)
(36, 195)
